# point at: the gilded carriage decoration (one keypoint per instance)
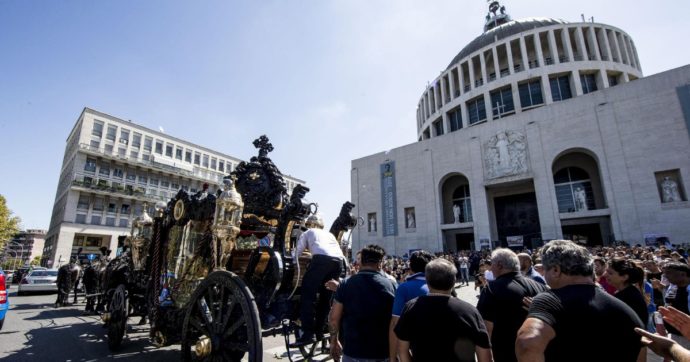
(213, 270)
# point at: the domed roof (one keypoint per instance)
(501, 32)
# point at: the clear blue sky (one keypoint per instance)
(328, 81)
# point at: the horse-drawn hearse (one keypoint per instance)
(214, 271)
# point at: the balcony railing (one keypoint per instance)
(102, 185)
(202, 174)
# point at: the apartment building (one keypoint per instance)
(111, 168)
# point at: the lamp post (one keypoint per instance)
(21, 246)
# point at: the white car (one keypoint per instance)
(39, 280)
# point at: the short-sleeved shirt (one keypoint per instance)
(632, 296)
(442, 328)
(367, 299)
(501, 304)
(319, 242)
(413, 287)
(590, 324)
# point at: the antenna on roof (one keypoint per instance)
(160, 128)
(583, 17)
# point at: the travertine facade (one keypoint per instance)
(539, 166)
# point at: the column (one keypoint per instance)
(581, 43)
(482, 63)
(546, 89)
(497, 67)
(607, 46)
(470, 66)
(594, 47)
(628, 47)
(480, 206)
(568, 47)
(523, 53)
(509, 54)
(537, 47)
(516, 97)
(461, 82)
(575, 76)
(614, 46)
(443, 89)
(621, 45)
(547, 206)
(553, 46)
(451, 85)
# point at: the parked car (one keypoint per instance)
(20, 273)
(4, 300)
(39, 280)
(9, 274)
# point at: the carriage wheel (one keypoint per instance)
(117, 324)
(222, 321)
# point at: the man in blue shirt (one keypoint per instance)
(413, 287)
(527, 270)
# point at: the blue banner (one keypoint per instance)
(388, 200)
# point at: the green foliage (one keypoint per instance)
(9, 225)
(36, 261)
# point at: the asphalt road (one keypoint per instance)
(36, 331)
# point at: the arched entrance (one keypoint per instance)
(580, 197)
(456, 211)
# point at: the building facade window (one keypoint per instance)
(94, 145)
(104, 171)
(502, 102)
(124, 223)
(90, 165)
(213, 163)
(455, 119)
(95, 219)
(143, 180)
(136, 140)
(148, 141)
(109, 221)
(476, 110)
(124, 209)
(112, 208)
(560, 88)
(165, 183)
(80, 219)
(83, 203)
(169, 150)
(178, 153)
(438, 127)
(573, 190)
(530, 93)
(462, 204)
(188, 156)
(124, 136)
(112, 132)
(117, 172)
(153, 182)
(134, 155)
(221, 166)
(97, 129)
(159, 147)
(197, 158)
(205, 162)
(98, 204)
(589, 83)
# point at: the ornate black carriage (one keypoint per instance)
(214, 271)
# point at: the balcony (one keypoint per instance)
(102, 186)
(202, 175)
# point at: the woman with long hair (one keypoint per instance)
(628, 278)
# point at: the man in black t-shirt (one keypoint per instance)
(501, 306)
(439, 327)
(362, 307)
(576, 320)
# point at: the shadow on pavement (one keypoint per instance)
(84, 341)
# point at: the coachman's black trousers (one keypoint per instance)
(313, 312)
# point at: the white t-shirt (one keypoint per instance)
(319, 242)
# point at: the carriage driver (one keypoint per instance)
(327, 263)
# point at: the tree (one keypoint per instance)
(9, 225)
(36, 261)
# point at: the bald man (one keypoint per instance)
(527, 270)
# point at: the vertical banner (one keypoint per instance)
(388, 202)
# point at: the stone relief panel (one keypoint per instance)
(505, 154)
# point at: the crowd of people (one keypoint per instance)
(560, 302)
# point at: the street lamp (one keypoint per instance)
(20, 245)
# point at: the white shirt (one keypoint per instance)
(319, 242)
(489, 275)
